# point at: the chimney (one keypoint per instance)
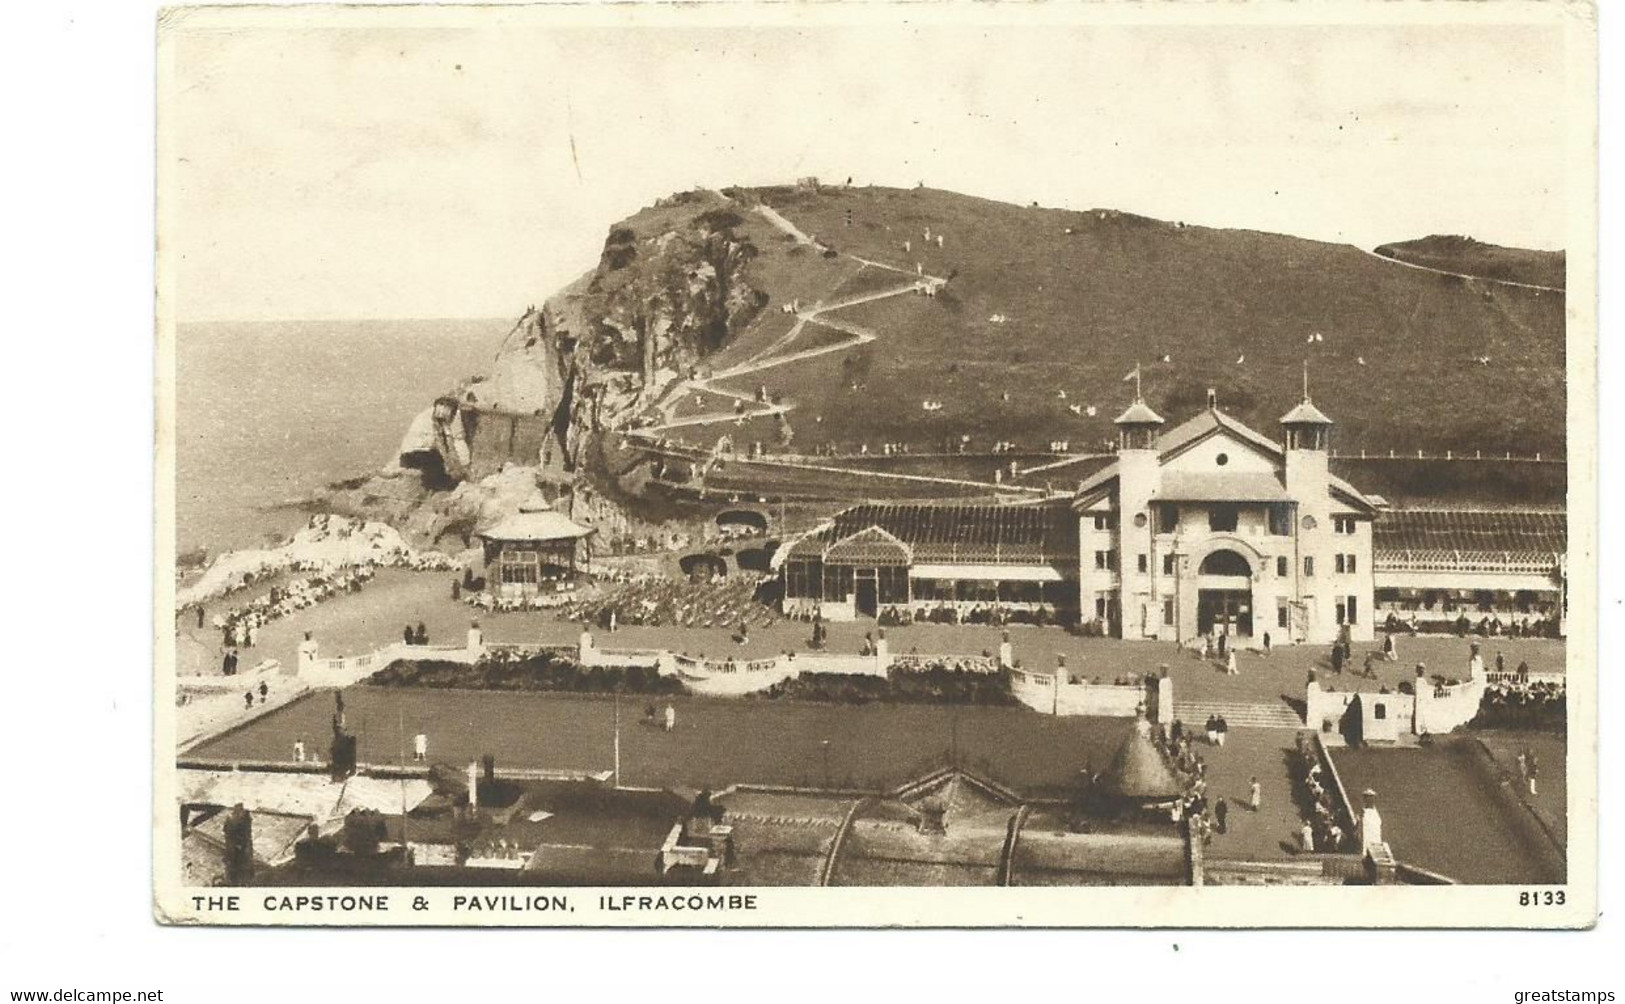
(933, 817)
(1212, 399)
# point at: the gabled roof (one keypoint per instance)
(873, 545)
(1194, 430)
(948, 533)
(1232, 486)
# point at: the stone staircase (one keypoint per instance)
(1238, 714)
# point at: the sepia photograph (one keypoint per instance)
(841, 465)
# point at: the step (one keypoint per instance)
(1235, 713)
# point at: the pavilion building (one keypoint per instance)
(924, 557)
(1211, 528)
(532, 550)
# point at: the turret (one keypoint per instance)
(1139, 480)
(1307, 434)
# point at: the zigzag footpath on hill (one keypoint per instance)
(773, 356)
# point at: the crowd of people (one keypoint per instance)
(1487, 625)
(657, 601)
(239, 626)
(1523, 704)
(995, 614)
(1322, 831)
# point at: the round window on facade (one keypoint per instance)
(1309, 523)
(1222, 459)
(1139, 519)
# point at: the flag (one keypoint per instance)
(1133, 374)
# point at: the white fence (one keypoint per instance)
(1053, 695)
(1431, 709)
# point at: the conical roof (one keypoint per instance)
(1138, 771)
(1139, 413)
(1305, 413)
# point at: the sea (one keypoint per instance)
(269, 411)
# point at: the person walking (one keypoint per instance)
(265, 691)
(1266, 643)
(671, 717)
(248, 699)
(1221, 728)
(422, 634)
(1306, 838)
(406, 634)
(1534, 771)
(1255, 795)
(1230, 664)
(1337, 659)
(420, 747)
(456, 590)
(1211, 728)
(299, 751)
(200, 617)
(1221, 813)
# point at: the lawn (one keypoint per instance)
(717, 742)
(1441, 810)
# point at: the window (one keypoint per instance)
(1379, 711)
(1139, 520)
(1223, 518)
(1339, 564)
(837, 583)
(1167, 517)
(1309, 567)
(1280, 517)
(892, 584)
(1348, 560)
(1354, 609)
(1281, 567)
(1343, 524)
(1105, 560)
(1222, 459)
(1144, 564)
(1020, 592)
(1282, 612)
(804, 579)
(1309, 522)
(1105, 521)
(1167, 564)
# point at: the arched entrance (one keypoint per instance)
(703, 567)
(1224, 598)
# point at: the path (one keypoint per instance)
(1459, 275)
(774, 355)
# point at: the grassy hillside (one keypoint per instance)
(1470, 257)
(1086, 295)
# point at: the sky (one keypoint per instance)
(373, 166)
